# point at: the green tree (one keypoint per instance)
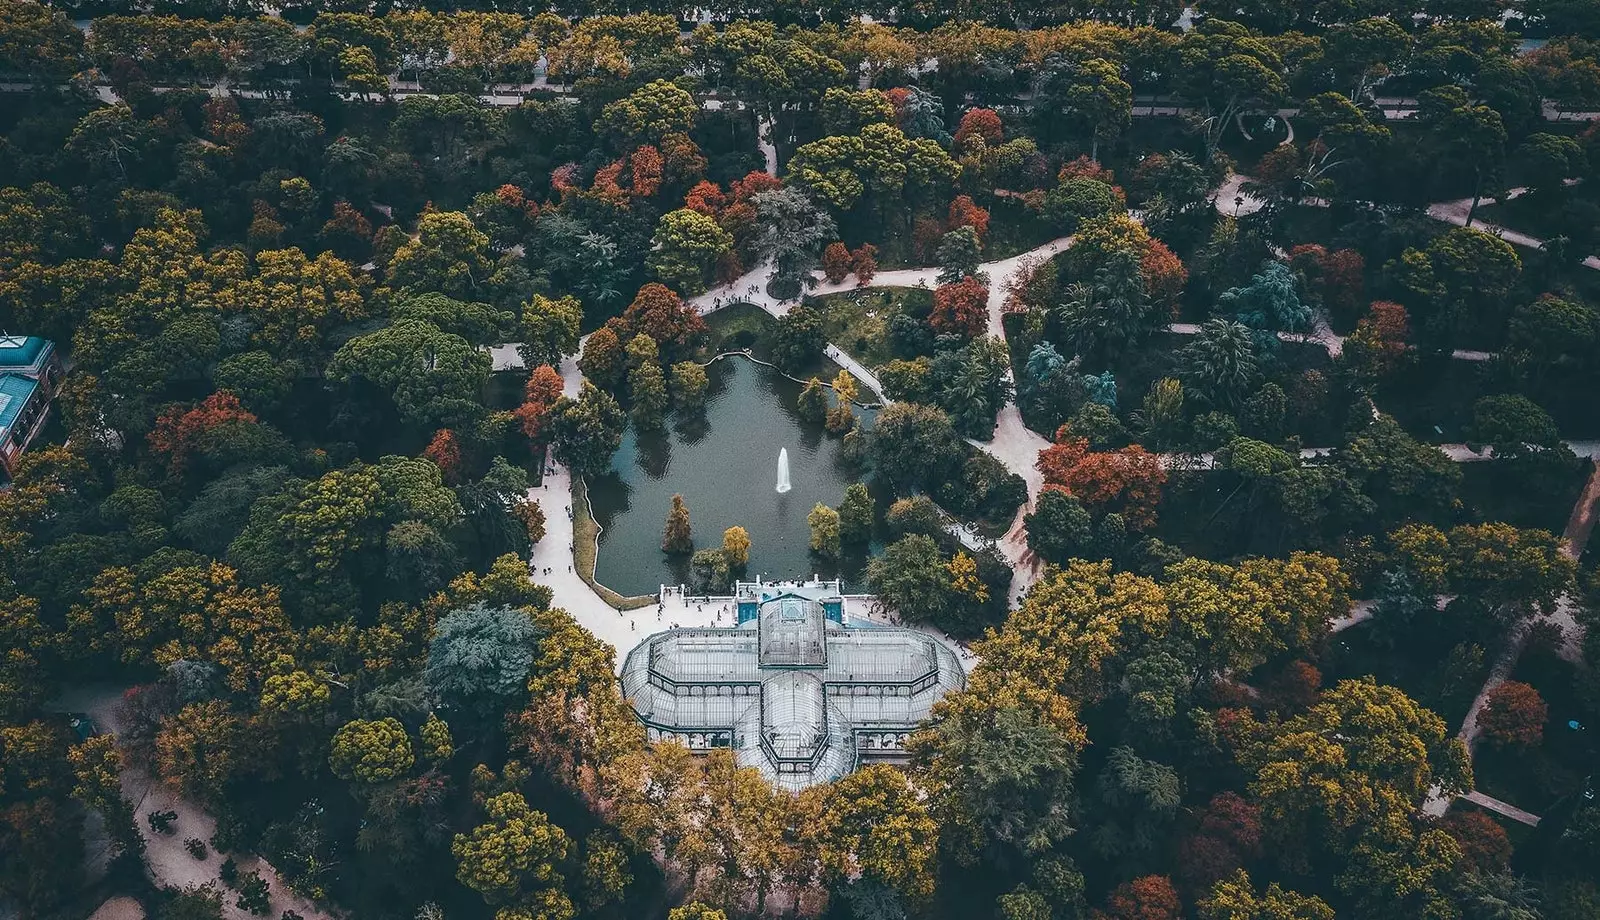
(549, 329)
(1058, 527)
(812, 403)
(1220, 366)
(479, 658)
(647, 390)
(685, 249)
(824, 524)
(648, 114)
(911, 579)
(586, 431)
(514, 853)
(1460, 284)
(856, 514)
(371, 751)
(449, 255)
(914, 446)
(959, 253)
(689, 385)
(798, 339)
(434, 379)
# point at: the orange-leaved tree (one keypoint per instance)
(1126, 481)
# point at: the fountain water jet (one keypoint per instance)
(783, 470)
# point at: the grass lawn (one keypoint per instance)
(858, 321)
(1013, 230)
(1568, 214)
(737, 328)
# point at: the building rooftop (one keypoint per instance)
(15, 389)
(792, 689)
(25, 354)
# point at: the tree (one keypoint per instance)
(824, 524)
(812, 403)
(657, 312)
(847, 111)
(911, 579)
(736, 547)
(685, 248)
(647, 389)
(586, 431)
(1058, 527)
(1461, 284)
(603, 360)
(798, 338)
(876, 829)
(1111, 313)
(514, 853)
(1472, 135)
(1514, 715)
(1235, 898)
(689, 385)
(549, 329)
(835, 262)
(478, 323)
(695, 910)
(203, 902)
(960, 308)
(1378, 347)
(431, 377)
(181, 433)
(1513, 425)
(1090, 94)
(539, 397)
(1270, 301)
(677, 538)
(449, 255)
(1127, 481)
(1080, 199)
(648, 114)
(864, 263)
(1485, 845)
(371, 751)
(999, 770)
(444, 451)
(1220, 366)
(790, 230)
(856, 515)
(959, 253)
(479, 658)
(913, 446)
(979, 125)
(1150, 897)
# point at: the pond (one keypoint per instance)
(724, 462)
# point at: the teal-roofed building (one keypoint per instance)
(30, 371)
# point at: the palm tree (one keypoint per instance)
(1220, 365)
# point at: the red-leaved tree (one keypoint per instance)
(984, 123)
(179, 433)
(1126, 481)
(445, 452)
(965, 213)
(835, 262)
(1484, 843)
(961, 308)
(542, 391)
(1149, 898)
(1514, 715)
(864, 262)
